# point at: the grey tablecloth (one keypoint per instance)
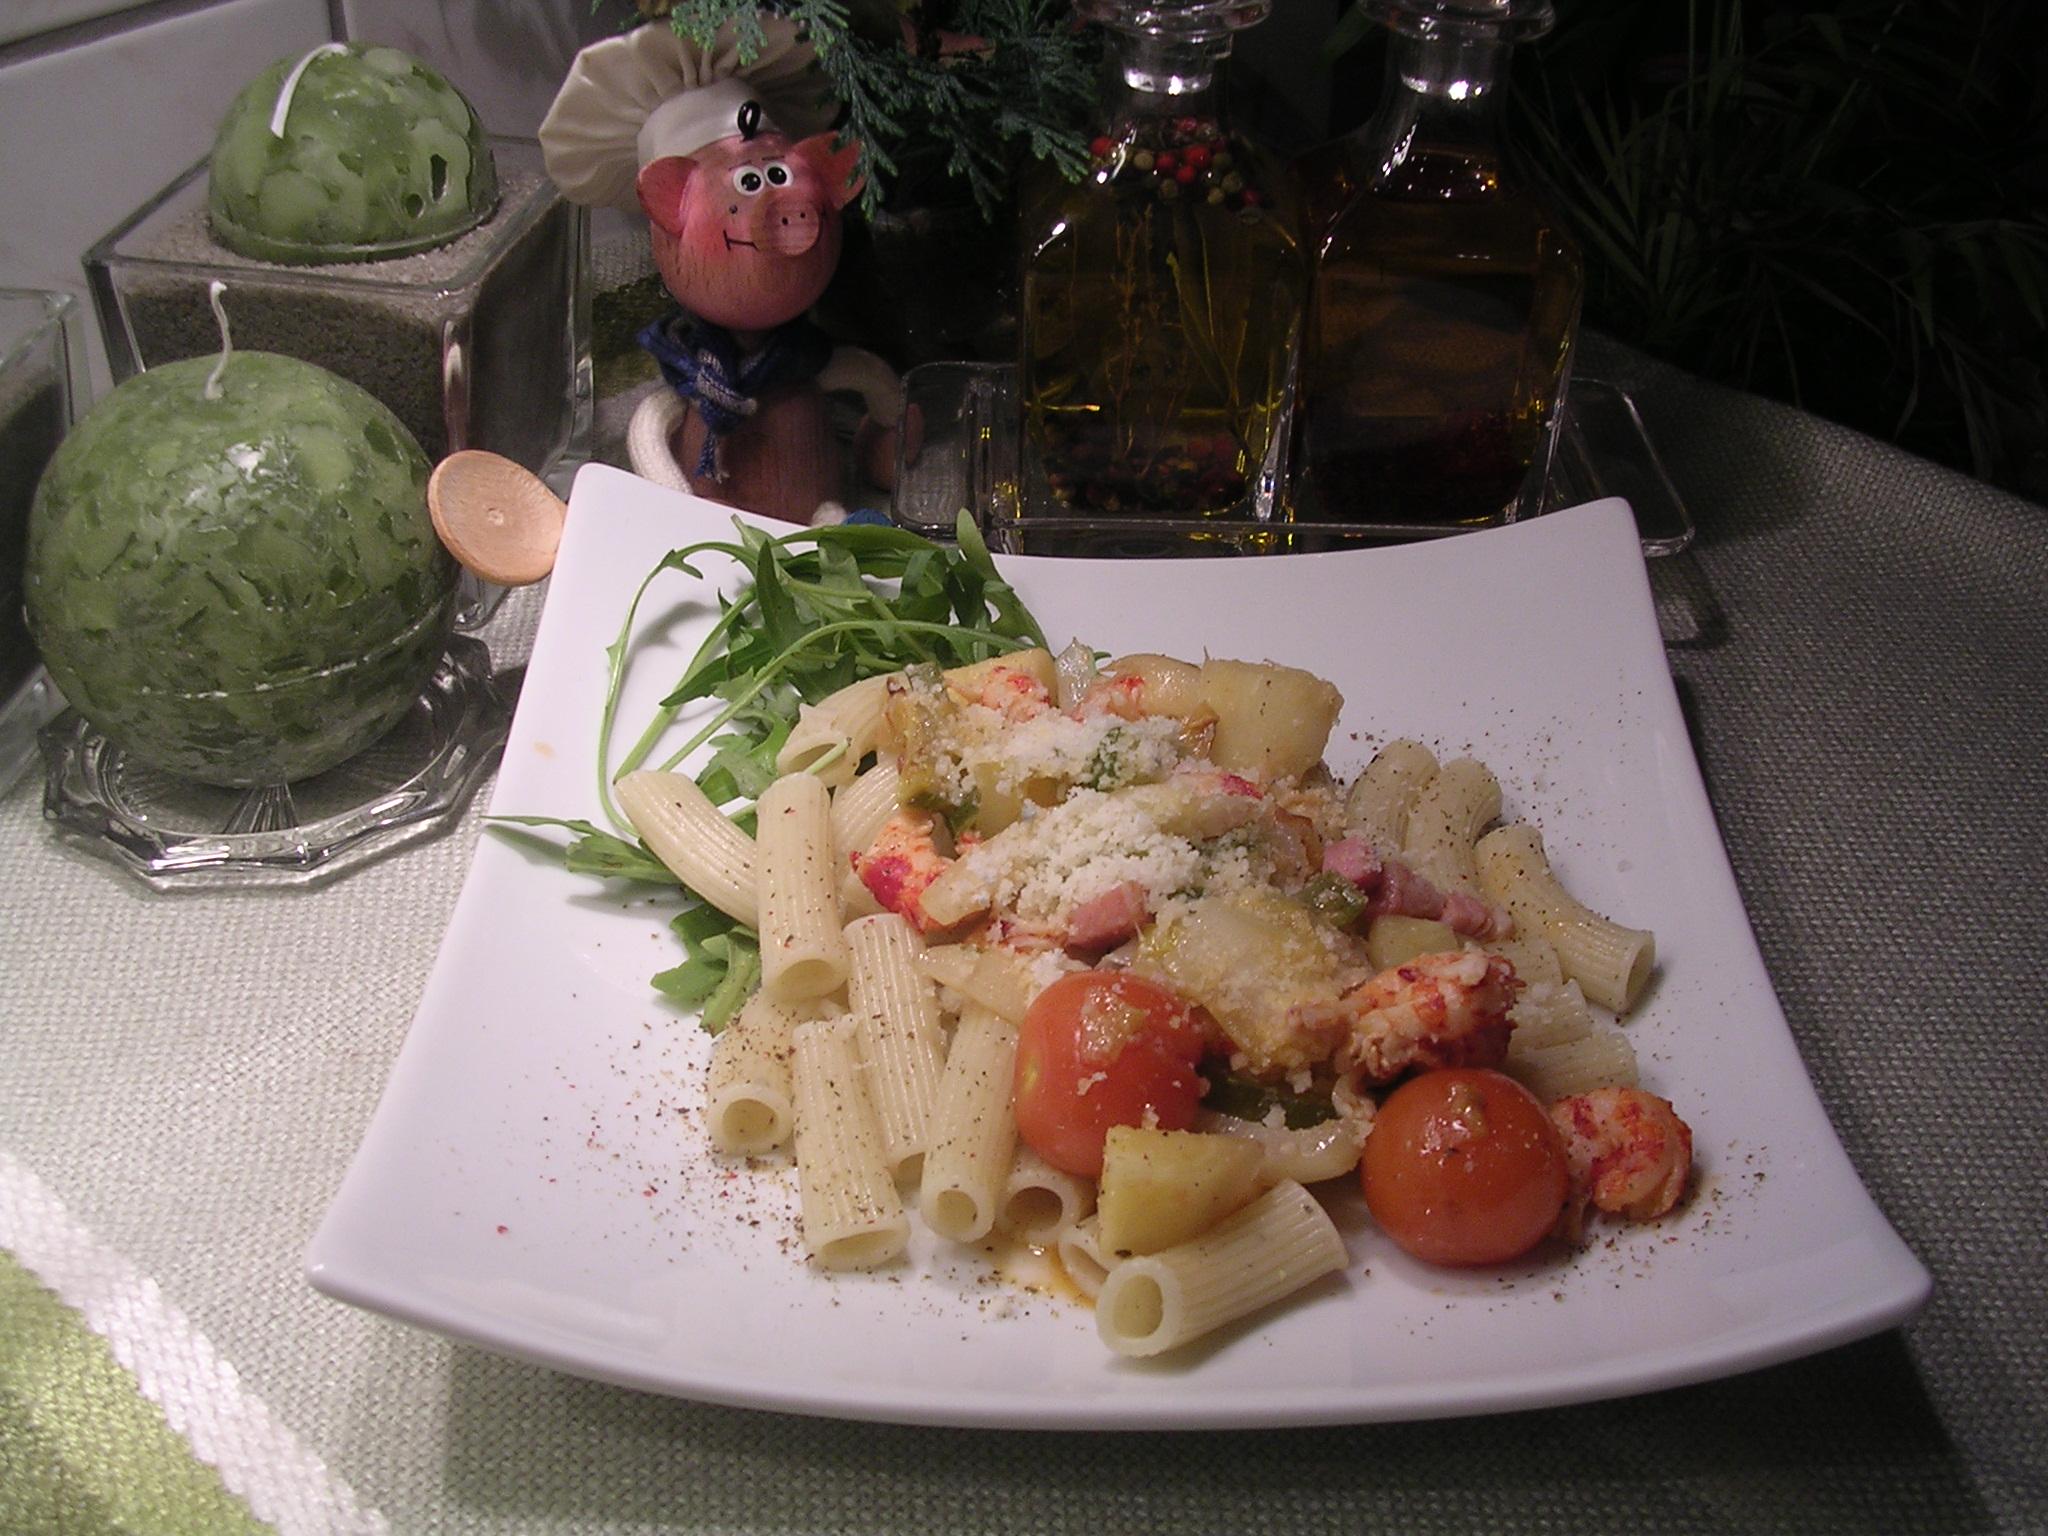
(189, 1075)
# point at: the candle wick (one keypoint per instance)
(283, 109)
(214, 290)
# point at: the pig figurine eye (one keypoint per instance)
(748, 180)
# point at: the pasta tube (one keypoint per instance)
(1561, 1047)
(1448, 816)
(1040, 1202)
(852, 1216)
(895, 1012)
(974, 1131)
(1271, 1248)
(1612, 963)
(748, 1104)
(1377, 807)
(1081, 1256)
(860, 808)
(690, 835)
(1531, 956)
(803, 945)
(859, 812)
(831, 737)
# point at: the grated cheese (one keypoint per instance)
(1044, 867)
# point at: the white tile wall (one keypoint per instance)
(91, 129)
(507, 56)
(30, 18)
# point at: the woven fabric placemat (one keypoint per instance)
(189, 1074)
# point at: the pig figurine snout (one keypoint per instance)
(788, 231)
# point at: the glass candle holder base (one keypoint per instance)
(23, 713)
(969, 457)
(174, 833)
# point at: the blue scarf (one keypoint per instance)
(702, 363)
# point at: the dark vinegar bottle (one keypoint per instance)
(1445, 296)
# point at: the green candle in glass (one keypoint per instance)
(231, 571)
(348, 153)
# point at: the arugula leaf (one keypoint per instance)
(723, 965)
(822, 607)
(597, 852)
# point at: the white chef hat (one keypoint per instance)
(648, 93)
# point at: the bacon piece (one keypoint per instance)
(1467, 914)
(1105, 921)
(1404, 893)
(1353, 859)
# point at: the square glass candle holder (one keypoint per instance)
(480, 343)
(41, 392)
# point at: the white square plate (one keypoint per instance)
(534, 1180)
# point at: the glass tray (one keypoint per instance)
(968, 457)
(174, 833)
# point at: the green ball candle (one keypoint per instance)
(231, 569)
(348, 153)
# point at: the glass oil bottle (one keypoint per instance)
(1445, 297)
(1161, 306)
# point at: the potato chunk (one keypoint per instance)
(1160, 1188)
(1271, 721)
(1395, 940)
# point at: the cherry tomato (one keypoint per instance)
(1104, 1048)
(1463, 1166)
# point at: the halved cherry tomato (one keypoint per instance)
(1463, 1166)
(1104, 1048)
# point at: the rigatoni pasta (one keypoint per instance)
(974, 1133)
(1610, 961)
(861, 806)
(1381, 798)
(690, 835)
(830, 738)
(1446, 820)
(749, 1097)
(803, 943)
(1041, 1203)
(1561, 1048)
(1281, 1242)
(852, 1216)
(895, 1011)
(1082, 1258)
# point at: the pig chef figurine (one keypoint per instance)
(735, 167)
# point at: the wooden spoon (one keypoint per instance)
(495, 517)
